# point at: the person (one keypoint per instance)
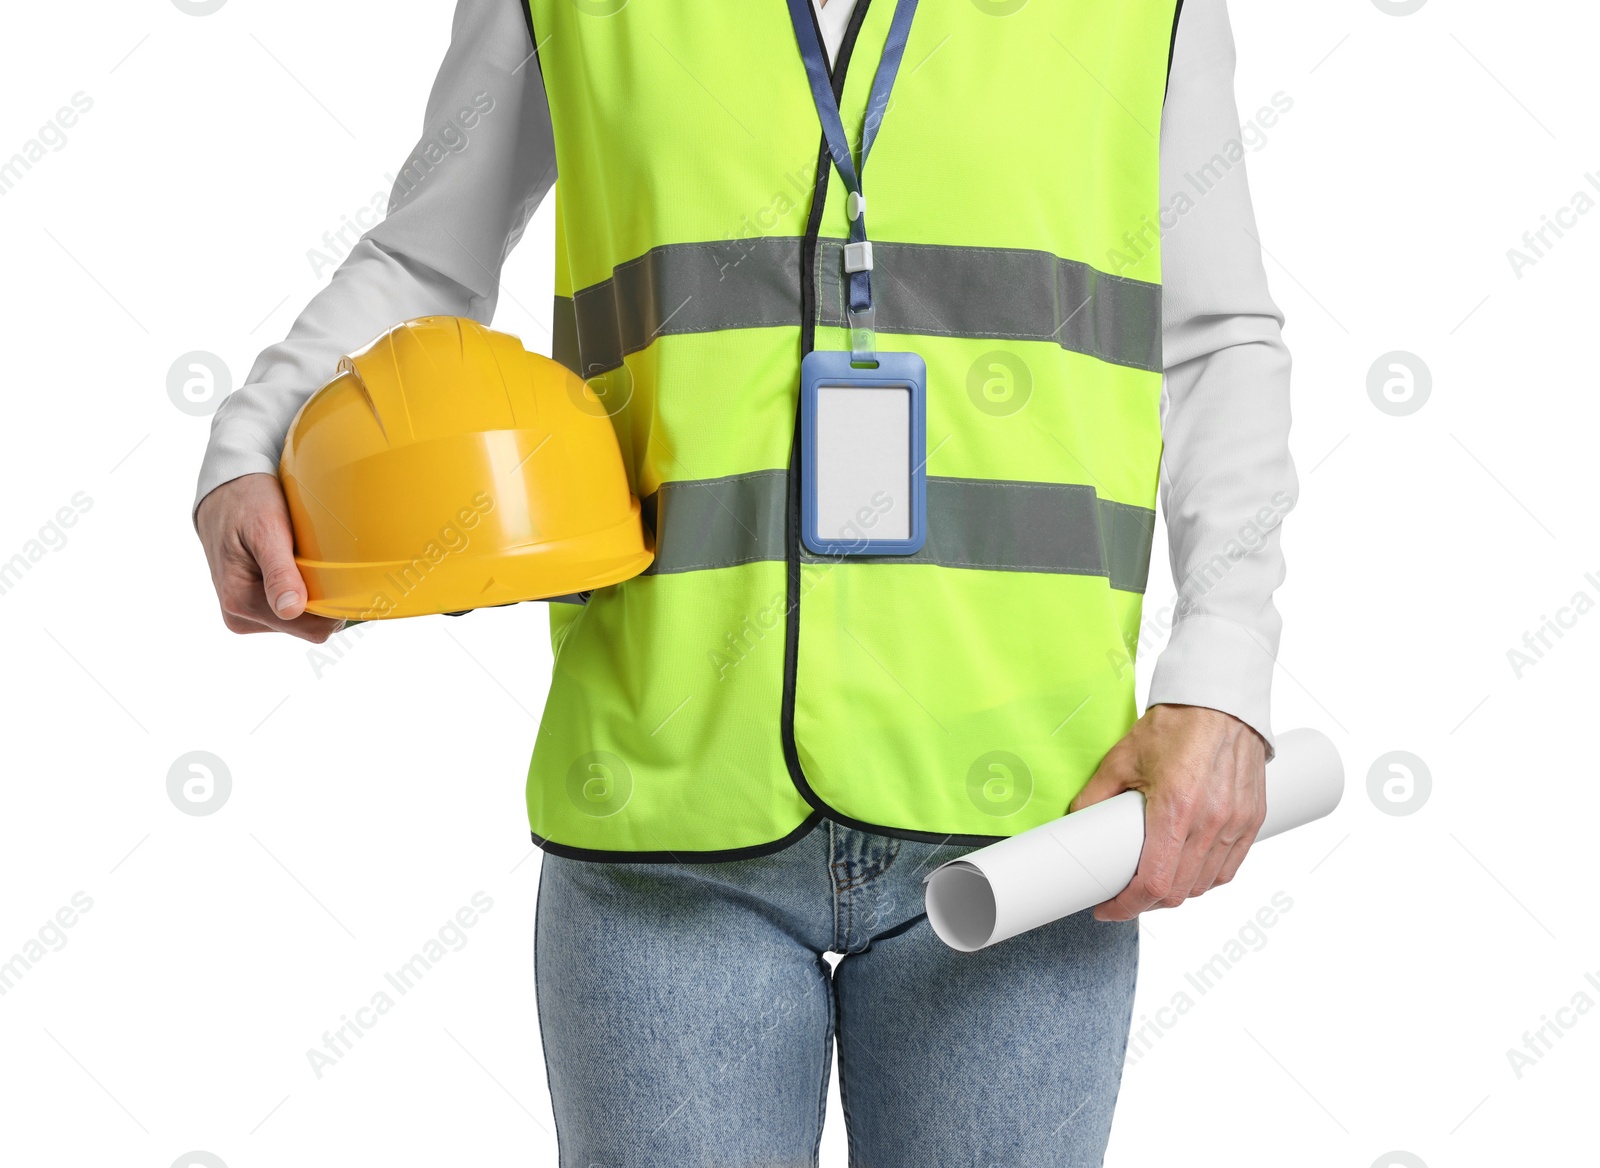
(830, 746)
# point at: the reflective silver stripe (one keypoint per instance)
(717, 523)
(681, 288)
(985, 524)
(1003, 294)
(996, 294)
(1126, 533)
(564, 333)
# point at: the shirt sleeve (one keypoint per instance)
(1227, 478)
(460, 202)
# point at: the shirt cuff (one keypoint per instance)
(1220, 665)
(225, 463)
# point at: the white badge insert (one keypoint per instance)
(863, 462)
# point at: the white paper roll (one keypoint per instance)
(1091, 855)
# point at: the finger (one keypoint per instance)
(242, 624)
(1211, 834)
(1234, 858)
(244, 605)
(1112, 777)
(1164, 840)
(238, 585)
(280, 600)
(270, 539)
(1229, 851)
(309, 627)
(1248, 827)
(1191, 863)
(1211, 866)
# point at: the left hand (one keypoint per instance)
(1203, 774)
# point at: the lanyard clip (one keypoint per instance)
(862, 313)
(864, 336)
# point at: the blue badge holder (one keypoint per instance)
(826, 369)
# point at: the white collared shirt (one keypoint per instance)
(1226, 470)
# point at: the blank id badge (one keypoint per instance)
(863, 455)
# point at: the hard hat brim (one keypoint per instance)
(454, 583)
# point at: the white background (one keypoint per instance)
(374, 796)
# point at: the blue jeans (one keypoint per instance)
(688, 1016)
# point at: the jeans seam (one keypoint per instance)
(833, 882)
(852, 1144)
(870, 872)
(827, 1056)
(538, 1009)
(1133, 990)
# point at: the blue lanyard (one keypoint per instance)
(858, 253)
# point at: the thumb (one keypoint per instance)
(1112, 777)
(272, 544)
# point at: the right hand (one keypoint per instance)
(249, 543)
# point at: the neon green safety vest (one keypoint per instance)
(718, 705)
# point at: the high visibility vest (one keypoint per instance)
(718, 705)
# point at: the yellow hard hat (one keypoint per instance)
(447, 468)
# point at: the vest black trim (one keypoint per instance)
(1172, 49)
(598, 856)
(533, 36)
(808, 340)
